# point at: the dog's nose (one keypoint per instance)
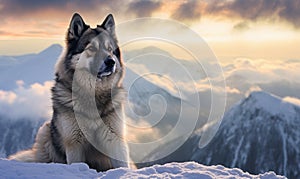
(109, 62)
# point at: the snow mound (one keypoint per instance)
(13, 169)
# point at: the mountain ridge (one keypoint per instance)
(252, 137)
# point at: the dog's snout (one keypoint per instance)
(109, 62)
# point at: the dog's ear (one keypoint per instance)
(77, 27)
(109, 24)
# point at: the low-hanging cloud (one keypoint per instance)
(242, 76)
(292, 100)
(279, 77)
(32, 103)
(262, 71)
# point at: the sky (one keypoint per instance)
(268, 29)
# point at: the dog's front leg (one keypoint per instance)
(120, 156)
(75, 153)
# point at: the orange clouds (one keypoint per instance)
(234, 23)
(50, 18)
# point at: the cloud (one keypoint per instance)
(275, 76)
(291, 12)
(248, 9)
(292, 100)
(7, 97)
(141, 131)
(51, 18)
(232, 90)
(20, 10)
(31, 4)
(244, 10)
(31, 103)
(253, 10)
(253, 89)
(261, 70)
(242, 76)
(143, 8)
(23, 7)
(27, 34)
(35, 18)
(6, 33)
(188, 11)
(241, 26)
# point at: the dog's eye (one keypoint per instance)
(92, 49)
(109, 49)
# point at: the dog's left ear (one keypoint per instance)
(109, 24)
(76, 27)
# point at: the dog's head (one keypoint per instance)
(93, 50)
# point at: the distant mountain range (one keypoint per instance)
(17, 135)
(38, 68)
(32, 68)
(260, 133)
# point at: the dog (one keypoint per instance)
(88, 123)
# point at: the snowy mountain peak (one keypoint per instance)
(264, 97)
(260, 133)
(34, 68)
(52, 49)
(274, 105)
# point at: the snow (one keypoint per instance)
(13, 169)
(237, 152)
(264, 99)
(272, 103)
(284, 149)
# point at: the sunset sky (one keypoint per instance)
(268, 29)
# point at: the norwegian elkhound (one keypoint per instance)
(88, 121)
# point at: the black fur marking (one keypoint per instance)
(117, 53)
(56, 138)
(106, 113)
(66, 84)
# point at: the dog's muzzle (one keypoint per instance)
(107, 68)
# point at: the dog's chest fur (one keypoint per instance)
(64, 120)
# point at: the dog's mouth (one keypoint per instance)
(107, 68)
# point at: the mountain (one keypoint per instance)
(32, 68)
(18, 134)
(13, 169)
(260, 133)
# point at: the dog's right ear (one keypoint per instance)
(77, 27)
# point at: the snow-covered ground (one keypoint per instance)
(13, 169)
